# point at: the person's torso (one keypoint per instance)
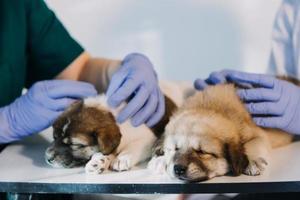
(12, 49)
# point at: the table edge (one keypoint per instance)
(141, 188)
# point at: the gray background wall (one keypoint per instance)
(185, 39)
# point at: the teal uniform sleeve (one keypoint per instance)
(50, 47)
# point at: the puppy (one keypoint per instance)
(211, 135)
(87, 134)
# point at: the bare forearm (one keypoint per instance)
(97, 71)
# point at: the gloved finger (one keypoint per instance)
(117, 81)
(134, 105)
(258, 94)
(31, 124)
(124, 92)
(45, 115)
(254, 79)
(269, 122)
(67, 88)
(147, 110)
(265, 108)
(200, 84)
(159, 112)
(59, 104)
(216, 78)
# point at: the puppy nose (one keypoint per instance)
(179, 169)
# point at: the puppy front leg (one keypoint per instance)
(157, 165)
(136, 152)
(98, 163)
(258, 153)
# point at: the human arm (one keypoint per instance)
(39, 107)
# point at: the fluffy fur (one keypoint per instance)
(211, 135)
(87, 134)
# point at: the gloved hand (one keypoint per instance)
(273, 103)
(137, 80)
(214, 78)
(39, 107)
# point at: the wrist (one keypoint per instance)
(293, 127)
(6, 133)
(99, 71)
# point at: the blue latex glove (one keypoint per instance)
(214, 78)
(273, 103)
(136, 81)
(39, 107)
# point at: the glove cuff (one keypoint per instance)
(6, 134)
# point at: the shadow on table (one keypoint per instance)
(34, 147)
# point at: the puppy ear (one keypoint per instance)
(64, 118)
(109, 135)
(170, 107)
(236, 157)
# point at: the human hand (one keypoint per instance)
(136, 78)
(273, 103)
(39, 107)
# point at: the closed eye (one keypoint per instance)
(201, 152)
(78, 145)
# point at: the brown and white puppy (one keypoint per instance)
(87, 133)
(211, 135)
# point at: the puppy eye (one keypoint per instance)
(176, 148)
(78, 145)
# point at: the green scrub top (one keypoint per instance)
(34, 46)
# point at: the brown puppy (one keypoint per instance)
(88, 128)
(211, 135)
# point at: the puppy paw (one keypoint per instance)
(97, 164)
(121, 163)
(157, 165)
(256, 167)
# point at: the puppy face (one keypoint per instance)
(196, 147)
(79, 133)
(70, 149)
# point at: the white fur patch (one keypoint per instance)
(97, 164)
(66, 126)
(99, 101)
(121, 163)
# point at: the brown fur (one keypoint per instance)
(90, 121)
(170, 107)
